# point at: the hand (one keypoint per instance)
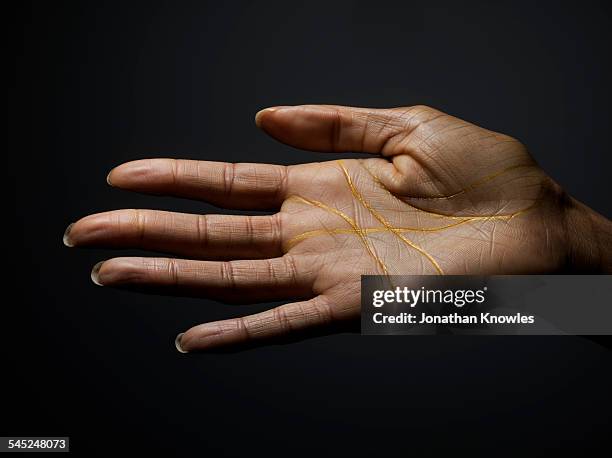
(440, 196)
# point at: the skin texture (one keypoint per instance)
(438, 196)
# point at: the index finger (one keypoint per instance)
(239, 186)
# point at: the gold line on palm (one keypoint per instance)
(362, 233)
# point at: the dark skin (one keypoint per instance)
(438, 196)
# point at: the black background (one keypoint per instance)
(99, 83)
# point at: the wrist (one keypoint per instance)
(588, 238)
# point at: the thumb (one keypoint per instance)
(336, 129)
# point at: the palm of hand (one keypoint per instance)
(447, 197)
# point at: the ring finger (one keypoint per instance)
(243, 281)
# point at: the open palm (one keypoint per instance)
(441, 196)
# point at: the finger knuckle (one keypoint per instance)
(282, 320)
(291, 269)
(139, 224)
(202, 230)
(228, 274)
(229, 177)
(173, 271)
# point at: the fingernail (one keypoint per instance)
(95, 273)
(108, 178)
(66, 238)
(269, 110)
(177, 343)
